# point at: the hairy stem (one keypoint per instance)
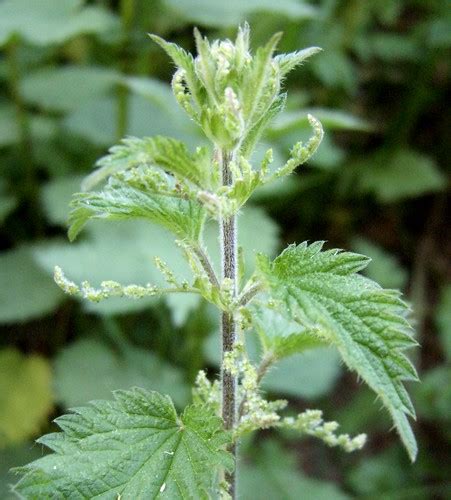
(206, 264)
(229, 252)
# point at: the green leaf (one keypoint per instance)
(443, 320)
(13, 457)
(364, 321)
(231, 13)
(253, 136)
(405, 174)
(384, 268)
(331, 119)
(25, 395)
(67, 88)
(169, 154)
(433, 395)
(88, 369)
(288, 62)
(382, 473)
(152, 451)
(119, 201)
(279, 336)
(183, 60)
(44, 22)
(309, 375)
(28, 292)
(275, 475)
(96, 121)
(55, 197)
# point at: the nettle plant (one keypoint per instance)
(137, 445)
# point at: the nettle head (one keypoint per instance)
(228, 91)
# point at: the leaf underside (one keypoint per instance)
(133, 447)
(118, 201)
(364, 321)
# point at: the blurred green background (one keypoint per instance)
(76, 76)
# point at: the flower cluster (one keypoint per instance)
(227, 90)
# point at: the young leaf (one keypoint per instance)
(281, 337)
(183, 60)
(287, 62)
(118, 201)
(133, 447)
(259, 128)
(364, 321)
(166, 153)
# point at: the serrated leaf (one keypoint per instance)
(152, 451)
(253, 136)
(275, 475)
(364, 321)
(88, 369)
(14, 456)
(27, 292)
(67, 88)
(182, 59)
(231, 13)
(384, 268)
(280, 336)
(44, 22)
(25, 395)
(288, 62)
(117, 201)
(169, 154)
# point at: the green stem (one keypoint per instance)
(229, 252)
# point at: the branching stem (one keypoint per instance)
(229, 252)
(206, 264)
(249, 294)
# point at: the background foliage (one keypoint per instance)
(75, 76)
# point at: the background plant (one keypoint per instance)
(370, 51)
